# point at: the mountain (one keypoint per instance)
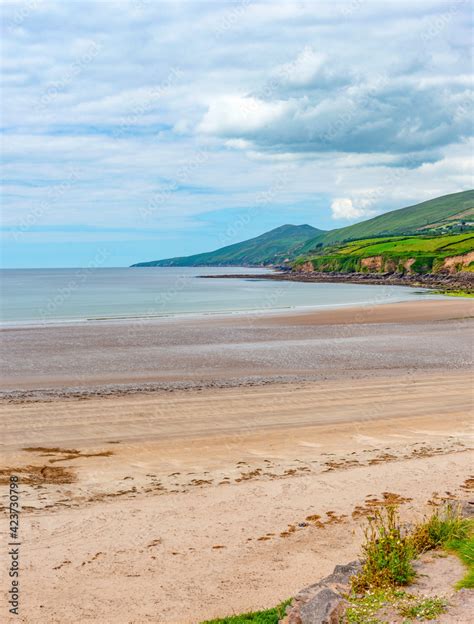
(270, 248)
(435, 216)
(443, 215)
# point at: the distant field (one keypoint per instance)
(415, 254)
(442, 246)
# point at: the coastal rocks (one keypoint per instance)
(323, 602)
(463, 280)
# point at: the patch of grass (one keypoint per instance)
(364, 609)
(464, 548)
(372, 606)
(440, 528)
(387, 553)
(423, 608)
(269, 616)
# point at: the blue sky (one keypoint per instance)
(151, 129)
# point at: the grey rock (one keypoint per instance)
(322, 602)
(325, 608)
(467, 509)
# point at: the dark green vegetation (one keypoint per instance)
(270, 248)
(401, 254)
(444, 215)
(270, 616)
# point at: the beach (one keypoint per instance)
(177, 470)
(220, 350)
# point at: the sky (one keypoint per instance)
(141, 129)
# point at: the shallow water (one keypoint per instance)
(53, 295)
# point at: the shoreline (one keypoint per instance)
(456, 281)
(178, 316)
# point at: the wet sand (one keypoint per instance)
(99, 358)
(177, 506)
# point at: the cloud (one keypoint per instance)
(346, 208)
(234, 114)
(371, 114)
(197, 108)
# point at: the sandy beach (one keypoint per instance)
(178, 471)
(98, 358)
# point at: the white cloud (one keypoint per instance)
(313, 88)
(241, 114)
(346, 208)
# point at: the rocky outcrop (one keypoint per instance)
(453, 264)
(323, 602)
(306, 267)
(463, 280)
(374, 263)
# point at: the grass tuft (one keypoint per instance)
(441, 527)
(387, 553)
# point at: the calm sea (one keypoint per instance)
(52, 295)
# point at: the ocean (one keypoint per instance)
(61, 295)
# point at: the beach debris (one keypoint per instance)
(34, 475)
(371, 503)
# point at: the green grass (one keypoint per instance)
(269, 616)
(464, 549)
(364, 608)
(455, 293)
(367, 608)
(442, 527)
(409, 246)
(423, 609)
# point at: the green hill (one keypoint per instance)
(435, 216)
(403, 254)
(272, 247)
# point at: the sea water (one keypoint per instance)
(58, 295)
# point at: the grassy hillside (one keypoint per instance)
(270, 248)
(413, 254)
(435, 216)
